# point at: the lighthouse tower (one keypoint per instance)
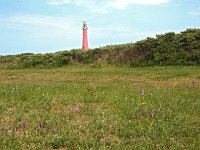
(85, 37)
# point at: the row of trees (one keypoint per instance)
(165, 49)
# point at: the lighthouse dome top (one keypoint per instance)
(85, 25)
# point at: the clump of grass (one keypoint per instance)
(58, 141)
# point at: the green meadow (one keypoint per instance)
(100, 108)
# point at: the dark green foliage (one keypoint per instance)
(59, 141)
(166, 49)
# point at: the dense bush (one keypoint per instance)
(165, 49)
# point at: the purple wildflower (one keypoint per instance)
(142, 92)
(151, 114)
(25, 123)
(76, 108)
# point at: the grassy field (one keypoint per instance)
(83, 107)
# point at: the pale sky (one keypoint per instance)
(42, 26)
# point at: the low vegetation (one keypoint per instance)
(87, 107)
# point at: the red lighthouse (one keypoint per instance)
(85, 37)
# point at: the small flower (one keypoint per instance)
(76, 108)
(151, 114)
(142, 92)
(25, 123)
